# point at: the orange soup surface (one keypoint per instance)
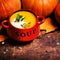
(23, 19)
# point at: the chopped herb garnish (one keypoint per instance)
(26, 25)
(19, 18)
(22, 25)
(29, 23)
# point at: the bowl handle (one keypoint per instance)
(5, 24)
(40, 19)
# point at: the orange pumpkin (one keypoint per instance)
(7, 7)
(57, 13)
(40, 7)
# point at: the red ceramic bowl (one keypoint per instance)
(23, 34)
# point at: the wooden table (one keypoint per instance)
(44, 47)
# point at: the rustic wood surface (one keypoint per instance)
(44, 47)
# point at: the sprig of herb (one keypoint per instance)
(19, 18)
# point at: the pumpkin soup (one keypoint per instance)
(23, 19)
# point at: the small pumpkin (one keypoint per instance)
(40, 7)
(7, 7)
(57, 13)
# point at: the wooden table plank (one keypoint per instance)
(44, 47)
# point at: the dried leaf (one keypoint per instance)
(48, 25)
(2, 38)
(0, 27)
